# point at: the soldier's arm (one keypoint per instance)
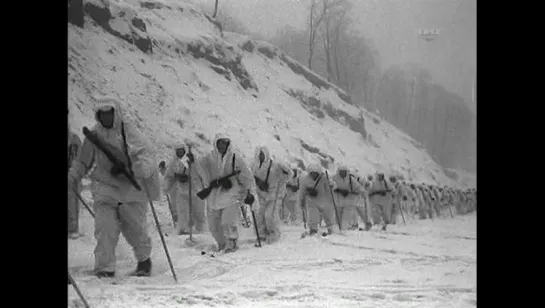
(140, 152)
(358, 188)
(83, 162)
(245, 176)
(169, 175)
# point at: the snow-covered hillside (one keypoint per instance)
(180, 78)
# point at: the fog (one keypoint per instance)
(392, 25)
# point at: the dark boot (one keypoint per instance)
(231, 245)
(102, 274)
(143, 269)
(368, 226)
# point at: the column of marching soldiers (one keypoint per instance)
(220, 191)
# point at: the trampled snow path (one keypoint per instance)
(424, 264)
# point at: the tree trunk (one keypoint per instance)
(215, 9)
(327, 43)
(310, 39)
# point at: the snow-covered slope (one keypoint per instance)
(180, 78)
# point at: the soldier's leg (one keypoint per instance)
(376, 213)
(438, 209)
(360, 210)
(429, 209)
(229, 223)
(272, 221)
(214, 225)
(73, 213)
(347, 216)
(133, 223)
(422, 210)
(291, 206)
(313, 218)
(182, 210)
(106, 234)
(340, 212)
(387, 213)
(393, 212)
(199, 217)
(260, 217)
(328, 213)
(354, 223)
(172, 206)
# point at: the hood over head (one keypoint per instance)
(314, 168)
(222, 136)
(265, 151)
(179, 145)
(341, 168)
(295, 170)
(105, 103)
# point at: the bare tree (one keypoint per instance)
(314, 21)
(334, 12)
(334, 49)
(339, 36)
(215, 9)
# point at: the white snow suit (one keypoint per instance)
(321, 204)
(177, 175)
(380, 194)
(363, 206)
(346, 191)
(223, 205)
(401, 200)
(291, 211)
(426, 208)
(118, 205)
(412, 201)
(437, 206)
(271, 174)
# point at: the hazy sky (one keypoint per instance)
(393, 25)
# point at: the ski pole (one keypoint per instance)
(450, 209)
(190, 200)
(84, 204)
(73, 283)
(170, 210)
(255, 223)
(402, 215)
(334, 204)
(304, 212)
(161, 235)
(243, 213)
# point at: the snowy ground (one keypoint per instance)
(424, 264)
